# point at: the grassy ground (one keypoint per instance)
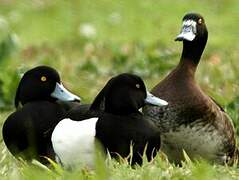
(90, 41)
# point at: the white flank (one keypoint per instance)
(74, 142)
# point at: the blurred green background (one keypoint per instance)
(89, 41)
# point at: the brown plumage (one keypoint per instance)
(192, 121)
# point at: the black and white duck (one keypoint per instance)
(120, 125)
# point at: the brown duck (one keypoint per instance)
(192, 121)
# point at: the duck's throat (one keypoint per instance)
(190, 58)
(192, 51)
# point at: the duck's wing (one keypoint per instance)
(224, 123)
(82, 112)
(221, 108)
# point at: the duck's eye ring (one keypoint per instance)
(137, 86)
(43, 78)
(200, 21)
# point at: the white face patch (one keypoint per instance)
(191, 24)
(188, 31)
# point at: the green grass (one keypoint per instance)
(123, 36)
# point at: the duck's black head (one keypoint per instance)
(194, 35)
(42, 83)
(125, 94)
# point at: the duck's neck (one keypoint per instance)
(193, 51)
(191, 54)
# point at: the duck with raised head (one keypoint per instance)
(192, 121)
(27, 131)
(119, 126)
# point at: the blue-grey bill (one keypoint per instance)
(61, 93)
(151, 99)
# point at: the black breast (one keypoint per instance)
(118, 133)
(27, 132)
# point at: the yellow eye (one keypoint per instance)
(137, 86)
(43, 78)
(200, 21)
